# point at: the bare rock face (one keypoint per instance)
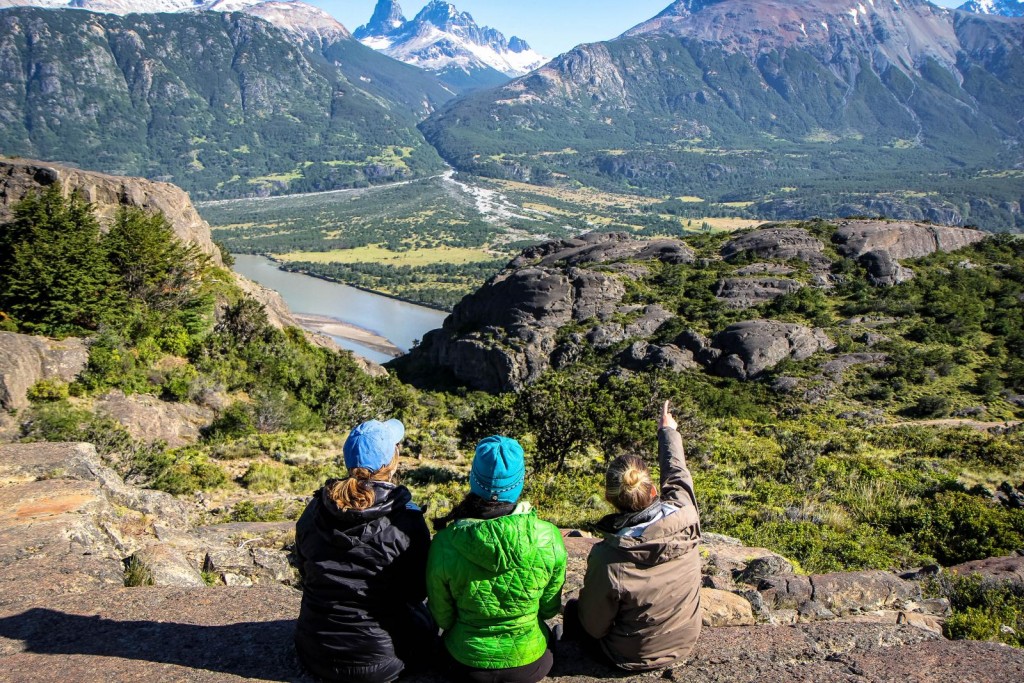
(1009, 569)
(107, 193)
(782, 244)
(880, 245)
(746, 292)
(598, 247)
(840, 593)
(149, 419)
(722, 608)
(25, 360)
(503, 336)
(752, 347)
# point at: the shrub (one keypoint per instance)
(929, 406)
(983, 609)
(48, 390)
(265, 477)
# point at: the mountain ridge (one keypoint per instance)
(448, 42)
(704, 103)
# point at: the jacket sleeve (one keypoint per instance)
(303, 527)
(676, 480)
(551, 599)
(439, 596)
(599, 599)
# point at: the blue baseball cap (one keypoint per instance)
(371, 445)
(499, 469)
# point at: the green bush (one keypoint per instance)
(48, 390)
(265, 477)
(983, 609)
(955, 527)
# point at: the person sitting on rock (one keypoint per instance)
(495, 572)
(362, 548)
(639, 607)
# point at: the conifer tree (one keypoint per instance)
(55, 278)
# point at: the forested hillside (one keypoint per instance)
(219, 103)
(907, 111)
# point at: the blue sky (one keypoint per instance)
(549, 26)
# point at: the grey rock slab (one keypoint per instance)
(149, 419)
(747, 292)
(169, 567)
(900, 239)
(25, 360)
(1009, 569)
(783, 244)
(750, 348)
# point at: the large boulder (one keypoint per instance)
(596, 247)
(502, 336)
(900, 239)
(750, 348)
(25, 360)
(880, 245)
(782, 244)
(149, 419)
(746, 292)
(998, 569)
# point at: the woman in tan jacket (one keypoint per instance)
(640, 602)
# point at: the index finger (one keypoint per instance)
(664, 408)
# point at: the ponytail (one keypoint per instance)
(355, 493)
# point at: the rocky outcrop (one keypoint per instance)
(781, 244)
(69, 524)
(596, 247)
(503, 336)
(880, 245)
(149, 419)
(107, 193)
(750, 348)
(25, 360)
(1009, 569)
(643, 356)
(746, 292)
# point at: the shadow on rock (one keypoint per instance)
(261, 650)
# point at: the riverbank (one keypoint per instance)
(282, 265)
(339, 328)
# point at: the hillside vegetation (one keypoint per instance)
(844, 472)
(222, 104)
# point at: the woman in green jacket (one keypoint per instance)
(495, 572)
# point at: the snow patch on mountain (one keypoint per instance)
(440, 38)
(1005, 8)
(294, 17)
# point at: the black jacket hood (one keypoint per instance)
(347, 528)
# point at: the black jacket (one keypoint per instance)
(363, 577)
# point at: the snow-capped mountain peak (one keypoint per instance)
(440, 38)
(1006, 8)
(294, 17)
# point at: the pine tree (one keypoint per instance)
(55, 278)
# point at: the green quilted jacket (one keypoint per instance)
(491, 582)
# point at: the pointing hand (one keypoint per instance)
(666, 419)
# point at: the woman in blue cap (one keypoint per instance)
(495, 572)
(362, 548)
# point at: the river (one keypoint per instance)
(398, 322)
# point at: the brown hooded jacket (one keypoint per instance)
(641, 594)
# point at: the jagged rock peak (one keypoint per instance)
(441, 38)
(387, 17)
(1004, 8)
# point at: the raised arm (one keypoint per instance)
(676, 480)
